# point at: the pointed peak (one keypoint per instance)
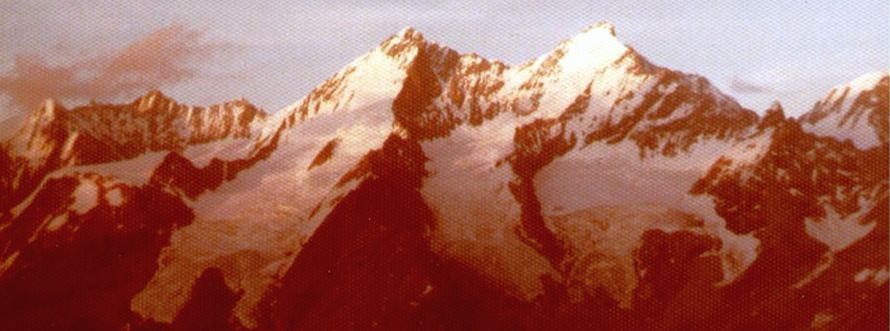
(243, 102)
(151, 99)
(409, 33)
(48, 105)
(868, 81)
(408, 38)
(49, 109)
(773, 116)
(154, 93)
(599, 35)
(601, 26)
(776, 106)
(50, 113)
(589, 50)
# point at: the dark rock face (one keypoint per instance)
(675, 277)
(325, 153)
(82, 274)
(786, 186)
(798, 179)
(179, 175)
(210, 306)
(369, 265)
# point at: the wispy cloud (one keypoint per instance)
(167, 56)
(741, 86)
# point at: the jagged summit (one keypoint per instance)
(49, 107)
(154, 92)
(868, 81)
(598, 37)
(775, 108)
(773, 116)
(49, 104)
(601, 26)
(593, 48)
(58, 136)
(435, 88)
(152, 100)
(857, 111)
(406, 40)
(410, 33)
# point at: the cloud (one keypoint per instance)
(167, 56)
(740, 86)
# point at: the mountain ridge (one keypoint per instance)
(853, 111)
(565, 188)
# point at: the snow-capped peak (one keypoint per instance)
(409, 33)
(595, 47)
(406, 41)
(602, 26)
(856, 111)
(867, 81)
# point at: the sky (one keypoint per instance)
(274, 52)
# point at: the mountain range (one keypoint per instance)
(424, 188)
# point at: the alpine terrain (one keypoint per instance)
(424, 188)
